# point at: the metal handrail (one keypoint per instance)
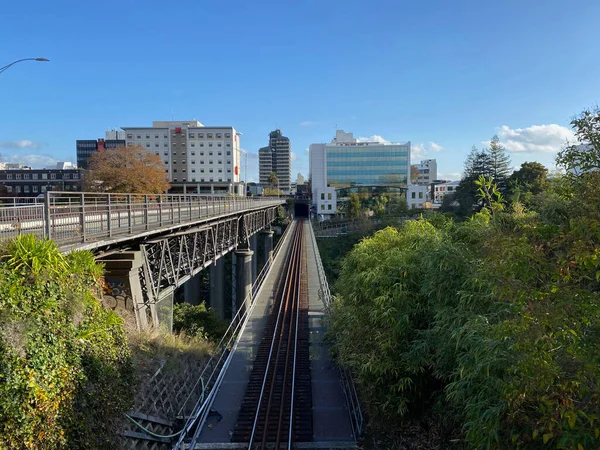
(72, 219)
(352, 400)
(221, 356)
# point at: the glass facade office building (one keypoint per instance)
(368, 164)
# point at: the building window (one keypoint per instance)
(201, 170)
(201, 153)
(329, 207)
(220, 153)
(201, 180)
(166, 136)
(220, 170)
(229, 162)
(26, 189)
(420, 195)
(219, 135)
(322, 207)
(174, 153)
(219, 145)
(193, 153)
(227, 135)
(44, 188)
(210, 161)
(228, 179)
(210, 144)
(210, 171)
(211, 179)
(201, 144)
(228, 153)
(44, 176)
(183, 161)
(34, 176)
(156, 144)
(322, 196)
(75, 176)
(166, 163)
(193, 145)
(210, 153)
(413, 195)
(18, 189)
(165, 145)
(17, 176)
(174, 144)
(209, 136)
(184, 170)
(156, 136)
(329, 196)
(220, 179)
(193, 179)
(147, 144)
(9, 176)
(174, 180)
(130, 144)
(166, 153)
(184, 180)
(139, 136)
(228, 170)
(228, 144)
(147, 136)
(129, 136)
(192, 135)
(200, 135)
(193, 170)
(34, 188)
(220, 162)
(66, 176)
(174, 170)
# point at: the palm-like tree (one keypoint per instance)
(273, 180)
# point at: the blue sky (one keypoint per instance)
(445, 75)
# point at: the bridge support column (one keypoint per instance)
(191, 290)
(216, 276)
(122, 275)
(254, 248)
(243, 278)
(267, 253)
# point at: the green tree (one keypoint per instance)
(273, 180)
(415, 173)
(531, 177)
(499, 163)
(354, 207)
(584, 156)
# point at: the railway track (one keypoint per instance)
(277, 407)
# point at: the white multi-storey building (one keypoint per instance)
(197, 158)
(346, 162)
(427, 171)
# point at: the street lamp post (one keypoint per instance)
(2, 69)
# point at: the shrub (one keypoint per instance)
(65, 372)
(198, 321)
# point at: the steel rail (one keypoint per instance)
(292, 272)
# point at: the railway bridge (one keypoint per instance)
(153, 244)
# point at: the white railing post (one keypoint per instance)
(82, 216)
(129, 214)
(146, 212)
(108, 216)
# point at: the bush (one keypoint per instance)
(198, 321)
(65, 370)
(492, 323)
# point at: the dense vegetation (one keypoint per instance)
(491, 324)
(198, 321)
(65, 370)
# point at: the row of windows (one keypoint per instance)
(174, 144)
(400, 163)
(328, 196)
(201, 180)
(40, 176)
(201, 162)
(191, 135)
(323, 207)
(201, 154)
(420, 195)
(366, 155)
(35, 189)
(201, 170)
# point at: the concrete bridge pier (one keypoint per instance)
(192, 290)
(124, 289)
(254, 248)
(243, 278)
(216, 277)
(267, 254)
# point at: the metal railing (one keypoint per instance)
(214, 371)
(356, 416)
(20, 201)
(78, 218)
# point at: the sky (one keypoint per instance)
(445, 75)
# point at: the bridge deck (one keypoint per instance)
(331, 420)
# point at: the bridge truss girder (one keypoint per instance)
(170, 261)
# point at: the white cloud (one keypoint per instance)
(35, 161)
(374, 138)
(454, 176)
(308, 123)
(293, 156)
(537, 138)
(435, 147)
(24, 143)
(307, 150)
(419, 150)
